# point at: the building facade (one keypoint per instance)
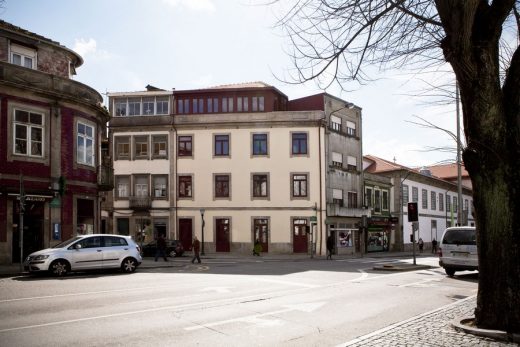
(436, 199)
(52, 172)
(240, 163)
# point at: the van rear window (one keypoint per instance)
(460, 237)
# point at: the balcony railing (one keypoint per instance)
(340, 211)
(105, 177)
(140, 203)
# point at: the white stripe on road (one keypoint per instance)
(270, 280)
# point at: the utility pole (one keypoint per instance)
(459, 169)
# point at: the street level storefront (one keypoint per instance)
(346, 235)
(379, 233)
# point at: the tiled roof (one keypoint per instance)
(257, 84)
(382, 165)
(447, 171)
(8, 26)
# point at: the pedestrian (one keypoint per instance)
(421, 245)
(196, 249)
(257, 248)
(330, 247)
(434, 246)
(161, 248)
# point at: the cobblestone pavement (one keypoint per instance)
(429, 329)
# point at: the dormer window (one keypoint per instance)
(23, 56)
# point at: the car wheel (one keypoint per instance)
(449, 271)
(59, 267)
(129, 265)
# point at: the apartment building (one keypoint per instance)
(436, 198)
(234, 164)
(52, 171)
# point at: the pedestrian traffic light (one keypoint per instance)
(413, 216)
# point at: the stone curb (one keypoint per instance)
(393, 267)
(458, 324)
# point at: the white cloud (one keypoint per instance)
(89, 48)
(194, 5)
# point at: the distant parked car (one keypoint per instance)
(173, 248)
(87, 252)
(458, 250)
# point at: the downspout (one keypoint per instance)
(320, 124)
(175, 200)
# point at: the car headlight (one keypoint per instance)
(40, 257)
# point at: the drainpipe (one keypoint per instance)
(321, 123)
(175, 199)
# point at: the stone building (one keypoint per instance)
(51, 129)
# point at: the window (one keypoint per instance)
(160, 186)
(141, 186)
(148, 106)
(185, 146)
(122, 147)
(227, 104)
(299, 143)
(221, 145)
(260, 186)
(441, 202)
(448, 203)
(185, 186)
(113, 241)
(466, 205)
(120, 108)
(299, 185)
(86, 144)
(198, 106)
(212, 105)
(162, 105)
(122, 186)
(243, 104)
(180, 106)
(160, 146)
(368, 196)
(385, 200)
(352, 200)
(23, 56)
(351, 128)
(424, 199)
(134, 107)
(141, 147)
(335, 123)
(260, 144)
(433, 196)
(337, 159)
(221, 186)
(455, 204)
(337, 197)
(405, 194)
(351, 163)
(377, 201)
(28, 133)
(257, 103)
(415, 194)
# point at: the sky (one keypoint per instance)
(190, 44)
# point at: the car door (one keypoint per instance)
(86, 254)
(115, 249)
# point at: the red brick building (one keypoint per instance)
(51, 134)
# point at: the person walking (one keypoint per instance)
(421, 244)
(257, 248)
(196, 250)
(161, 248)
(330, 247)
(434, 246)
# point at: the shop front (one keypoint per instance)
(378, 235)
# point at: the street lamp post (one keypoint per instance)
(202, 234)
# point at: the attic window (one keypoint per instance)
(23, 56)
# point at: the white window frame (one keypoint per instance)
(335, 123)
(24, 53)
(337, 159)
(83, 158)
(351, 128)
(30, 127)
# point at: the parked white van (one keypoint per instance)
(458, 250)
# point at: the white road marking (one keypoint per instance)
(270, 280)
(422, 283)
(219, 290)
(254, 319)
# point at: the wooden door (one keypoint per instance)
(185, 232)
(300, 238)
(222, 235)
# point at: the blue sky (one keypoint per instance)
(186, 44)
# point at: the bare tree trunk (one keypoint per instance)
(492, 157)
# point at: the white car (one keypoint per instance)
(87, 252)
(458, 250)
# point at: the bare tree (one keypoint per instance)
(343, 41)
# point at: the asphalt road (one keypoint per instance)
(222, 303)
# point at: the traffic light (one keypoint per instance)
(413, 215)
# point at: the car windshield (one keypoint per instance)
(460, 237)
(66, 243)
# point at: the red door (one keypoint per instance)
(262, 233)
(222, 235)
(300, 239)
(185, 232)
